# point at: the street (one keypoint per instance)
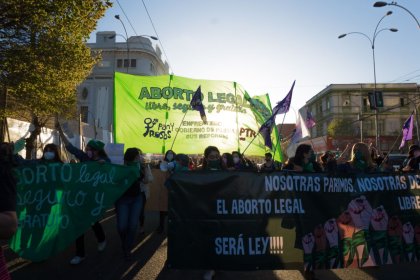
(148, 262)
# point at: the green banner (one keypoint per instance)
(56, 203)
(252, 221)
(156, 110)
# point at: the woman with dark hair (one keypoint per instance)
(167, 166)
(94, 151)
(212, 159)
(129, 205)
(227, 161)
(51, 153)
(8, 218)
(304, 160)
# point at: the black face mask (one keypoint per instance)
(213, 164)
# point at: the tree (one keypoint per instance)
(43, 56)
(340, 127)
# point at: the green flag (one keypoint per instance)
(149, 112)
(261, 108)
(56, 203)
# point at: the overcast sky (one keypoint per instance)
(267, 44)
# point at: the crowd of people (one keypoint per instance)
(129, 208)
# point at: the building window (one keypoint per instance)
(126, 63)
(152, 68)
(402, 103)
(119, 63)
(84, 113)
(328, 104)
(133, 63)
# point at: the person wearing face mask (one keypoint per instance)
(51, 153)
(211, 161)
(238, 161)
(129, 205)
(360, 161)
(167, 165)
(94, 151)
(304, 160)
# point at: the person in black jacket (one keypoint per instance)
(8, 217)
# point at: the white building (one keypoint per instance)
(136, 56)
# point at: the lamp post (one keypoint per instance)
(126, 40)
(383, 4)
(372, 44)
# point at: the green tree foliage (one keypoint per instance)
(340, 127)
(43, 55)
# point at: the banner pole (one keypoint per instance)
(180, 124)
(243, 153)
(166, 115)
(277, 134)
(236, 109)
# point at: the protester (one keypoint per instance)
(238, 161)
(8, 217)
(268, 164)
(181, 163)
(411, 151)
(413, 163)
(360, 161)
(227, 161)
(94, 151)
(328, 162)
(144, 190)
(211, 161)
(166, 166)
(129, 205)
(304, 160)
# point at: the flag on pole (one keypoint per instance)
(197, 104)
(407, 130)
(301, 130)
(282, 107)
(310, 121)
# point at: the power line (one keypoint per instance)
(412, 72)
(160, 41)
(118, 2)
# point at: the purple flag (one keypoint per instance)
(407, 131)
(310, 121)
(266, 130)
(197, 104)
(282, 107)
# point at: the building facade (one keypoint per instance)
(136, 55)
(343, 114)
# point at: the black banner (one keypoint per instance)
(246, 221)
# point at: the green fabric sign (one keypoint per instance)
(154, 109)
(57, 202)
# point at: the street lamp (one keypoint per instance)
(383, 4)
(126, 40)
(372, 44)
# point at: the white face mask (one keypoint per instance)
(169, 157)
(49, 155)
(89, 154)
(235, 160)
